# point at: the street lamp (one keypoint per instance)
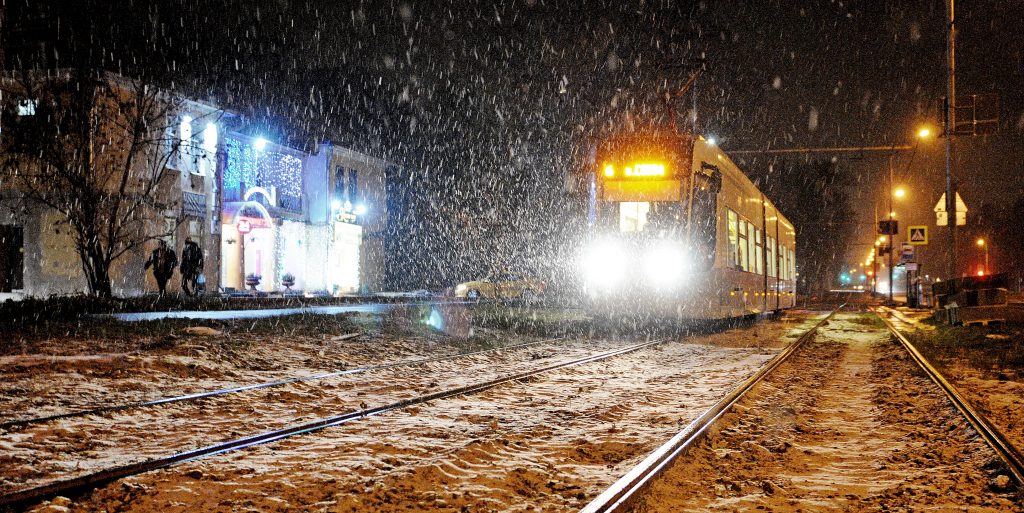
(982, 244)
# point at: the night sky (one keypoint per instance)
(495, 104)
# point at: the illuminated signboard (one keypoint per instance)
(643, 167)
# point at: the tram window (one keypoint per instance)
(751, 252)
(793, 265)
(783, 263)
(733, 239)
(744, 263)
(633, 216)
(704, 217)
(759, 252)
(771, 257)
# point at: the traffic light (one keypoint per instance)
(888, 227)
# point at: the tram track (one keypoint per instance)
(625, 491)
(1011, 456)
(20, 423)
(633, 491)
(93, 479)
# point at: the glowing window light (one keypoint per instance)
(185, 130)
(210, 138)
(646, 170)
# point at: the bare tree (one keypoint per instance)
(93, 147)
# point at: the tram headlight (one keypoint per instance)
(604, 265)
(665, 266)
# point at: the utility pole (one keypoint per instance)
(892, 237)
(950, 107)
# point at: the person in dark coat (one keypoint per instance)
(191, 266)
(163, 261)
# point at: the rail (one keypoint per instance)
(69, 486)
(623, 492)
(20, 423)
(1011, 457)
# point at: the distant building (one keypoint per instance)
(300, 222)
(38, 253)
(314, 218)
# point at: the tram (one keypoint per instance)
(677, 230)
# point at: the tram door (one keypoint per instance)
(12, 258)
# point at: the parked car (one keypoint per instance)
(501, 286)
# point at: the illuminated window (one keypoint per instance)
(27, 108)
(733, 239)
(793, 265)
(758, 252)
(633, 216)
(210, 138)
(744, 262)
(771, 257)
(751, 252)
(783, 263)
(185, 130)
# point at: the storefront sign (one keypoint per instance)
(244, 226)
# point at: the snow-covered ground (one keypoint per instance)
(848, 424)
(551, 442)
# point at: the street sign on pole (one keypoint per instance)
(941, 218)
(918, 235)
(907, 252)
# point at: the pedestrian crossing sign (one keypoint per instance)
(918, 235)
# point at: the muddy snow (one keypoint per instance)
(848, 424)
(551, 442)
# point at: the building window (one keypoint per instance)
(170, 231)
(339, 183)
(27, 107)
(353, 185)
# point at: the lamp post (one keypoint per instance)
(874, 269)
(984, 245)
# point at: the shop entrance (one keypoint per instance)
(345, 257)
(248, 238)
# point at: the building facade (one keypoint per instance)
(172, 186)
(302, 223)
(268, 218)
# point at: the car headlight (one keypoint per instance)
(665, 266)
(604, 265)
(460, 288)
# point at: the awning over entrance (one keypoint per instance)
(257, 215)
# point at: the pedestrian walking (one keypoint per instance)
(163, 261)
(191, 266)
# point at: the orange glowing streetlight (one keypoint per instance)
(981, 244)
